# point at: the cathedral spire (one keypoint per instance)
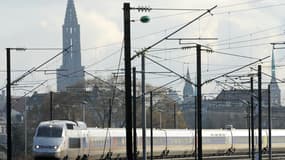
(70, 14)
(188, 75)
(273, 75)
(71, 72)
(188, 91)
(275, 90)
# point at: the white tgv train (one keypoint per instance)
(73, 140)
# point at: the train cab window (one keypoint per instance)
(69, 126)
(49, 131)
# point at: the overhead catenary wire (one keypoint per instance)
(88, 66)
(235, 55)
(113, 96)
(215, 51)
(33, 69)
(239, 4)
(280, 80)
(160, 87)
(250, 9)
(247, 34)
(215, 65)
(77, 71)
(260, 60)
(187, 80)
(223, 84)
(235, 82)
(174, 32)
(36, 68)
(222, 40)
(249, 40)
(35, 88)
(220, 7)
(243, 46)
(104, 58)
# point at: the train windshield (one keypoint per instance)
(47, 131)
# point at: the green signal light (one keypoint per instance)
(145, 19)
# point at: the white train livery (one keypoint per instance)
(61, 139)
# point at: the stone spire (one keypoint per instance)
(70, 72)
(273, 76)
(70, 14)
(188, 91)
(274, 88)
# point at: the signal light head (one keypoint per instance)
(145, 19)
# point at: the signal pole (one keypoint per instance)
(8, 105)
(252, 118)
(135, 112)
(151, 128)
(259, 114)
(199, 102)
(143, 108)
(50, 105)
(269, 124)
(8, 101)
(174, 115)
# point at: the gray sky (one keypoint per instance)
(243, 27)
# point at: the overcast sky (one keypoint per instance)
(242, 27)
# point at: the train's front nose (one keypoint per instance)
(47, 147)
(48, 142)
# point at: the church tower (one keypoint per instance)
(274, 88)
(70, 73)
(188, 91)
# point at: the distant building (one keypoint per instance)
(2, 101)
(233, 104)
(2, 127)
(274, 88)
(71, 72)
(172, 94)
(242, 96)
(188, 91)
(3, 138)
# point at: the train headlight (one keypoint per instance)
(37, 146)
(55, 147)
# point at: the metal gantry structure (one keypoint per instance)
(128, 59)
(199, 84)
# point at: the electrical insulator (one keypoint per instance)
(144, 9)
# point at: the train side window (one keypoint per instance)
(74, 142)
